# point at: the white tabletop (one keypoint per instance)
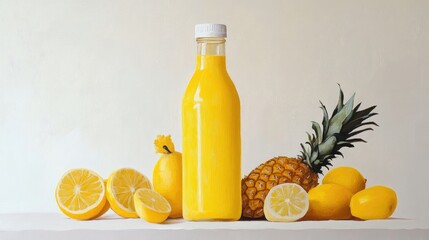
(57, 226)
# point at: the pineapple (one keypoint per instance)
(322, 146)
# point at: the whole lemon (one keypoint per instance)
(376, 202)
(329, 202)
(167, 174)
(347, 177)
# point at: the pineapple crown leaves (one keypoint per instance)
(336, 132)
(164, 144)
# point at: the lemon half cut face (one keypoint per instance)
(121, 186)
(80, 194)
(286, 202)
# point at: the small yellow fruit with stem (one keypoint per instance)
(167, 174)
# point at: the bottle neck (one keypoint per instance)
(210, 53)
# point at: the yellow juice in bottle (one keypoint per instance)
(211, 137)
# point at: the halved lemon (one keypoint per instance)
(106, 205)
(121, 186)
(286, 202)
(80, 194)
(151, 206)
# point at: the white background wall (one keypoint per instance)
(91, 84)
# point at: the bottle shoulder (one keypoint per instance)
(210, 86)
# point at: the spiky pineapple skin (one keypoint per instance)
(255, 186)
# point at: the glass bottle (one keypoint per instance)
(211, 134)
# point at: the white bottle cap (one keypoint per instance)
(210, 30)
